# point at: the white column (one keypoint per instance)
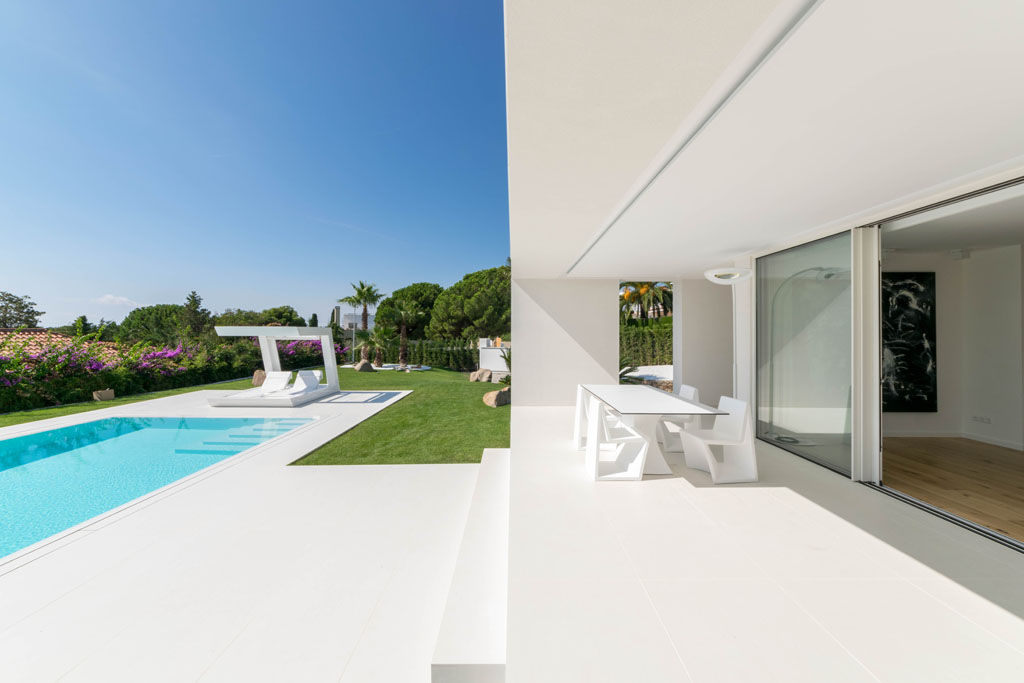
(268, 349)
(330, 361)
(677, 335)
(866, 401)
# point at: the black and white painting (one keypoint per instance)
(908, 343)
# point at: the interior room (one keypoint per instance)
(952, 387)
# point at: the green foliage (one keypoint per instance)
(193, 319)
(506, 355)
(286, 316)
(478, 305)
(644, 300)
(156, 325)
(18, 311)
(69, 370)
(423, 294)
(645, 344)
(380, 341)
(405, 314)
(313, 320)
(104, 330)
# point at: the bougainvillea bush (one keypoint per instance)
(69, 369)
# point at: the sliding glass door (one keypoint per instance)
(804, 321)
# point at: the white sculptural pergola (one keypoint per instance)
(268, 337)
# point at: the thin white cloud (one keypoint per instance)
(114, 300)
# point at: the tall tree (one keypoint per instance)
(377, 341)
(18, 311)
(643, 300)
(421, 293)
(313, 321)
(404, 314)
(478, 305)
(157, 324)
(193, 318)
(364, 294)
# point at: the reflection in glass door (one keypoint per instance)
(804, 306)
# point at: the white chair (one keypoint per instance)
(276, 380)
(306, 381)
(618, 457)
(670, 425)
(726, 451)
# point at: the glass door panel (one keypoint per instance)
(804, 319)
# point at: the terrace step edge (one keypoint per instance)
(471, 641)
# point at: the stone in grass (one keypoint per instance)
(259, 377)
(502, 397)
(365, 366)
(481, 375)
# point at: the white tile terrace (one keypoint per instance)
(787, 579)
(250, 570)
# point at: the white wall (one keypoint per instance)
(702, 337)
(992, 380)
(565, 332)
(979, 341)
(948, 421)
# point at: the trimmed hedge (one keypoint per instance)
(645, 345)
(455, 354)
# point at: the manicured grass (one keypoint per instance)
(444, 420)
(23, 416)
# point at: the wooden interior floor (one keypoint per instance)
(977, 481)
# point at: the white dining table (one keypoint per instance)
(641, 406)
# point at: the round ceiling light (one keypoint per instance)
(727, 276)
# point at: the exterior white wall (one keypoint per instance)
(566, 332)
(491, 358)
(702, 337)
(992, 378)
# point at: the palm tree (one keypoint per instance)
(365, 294)
(379, 340)
(406, 313)
(644, 299)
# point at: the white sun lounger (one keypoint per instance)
(306, 388)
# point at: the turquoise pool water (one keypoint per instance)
(53, 480)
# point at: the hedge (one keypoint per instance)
(645, 345)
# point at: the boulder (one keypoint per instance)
(365, 366)
(103, 395)
(481, 375)
(502, 397)
(259, 377)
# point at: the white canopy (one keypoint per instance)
(268, 336)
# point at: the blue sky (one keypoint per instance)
(262, 153)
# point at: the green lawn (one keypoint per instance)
(444, 420)
(20, 417)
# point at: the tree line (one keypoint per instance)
(478, 305)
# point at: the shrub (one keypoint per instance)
(645, 344)
(68, 370)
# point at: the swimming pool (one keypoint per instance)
(50, 481)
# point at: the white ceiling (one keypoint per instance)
(995, 220)
(594, 90)
(868, 104)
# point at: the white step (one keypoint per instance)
(471, 641)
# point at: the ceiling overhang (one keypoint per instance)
(861, 105)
